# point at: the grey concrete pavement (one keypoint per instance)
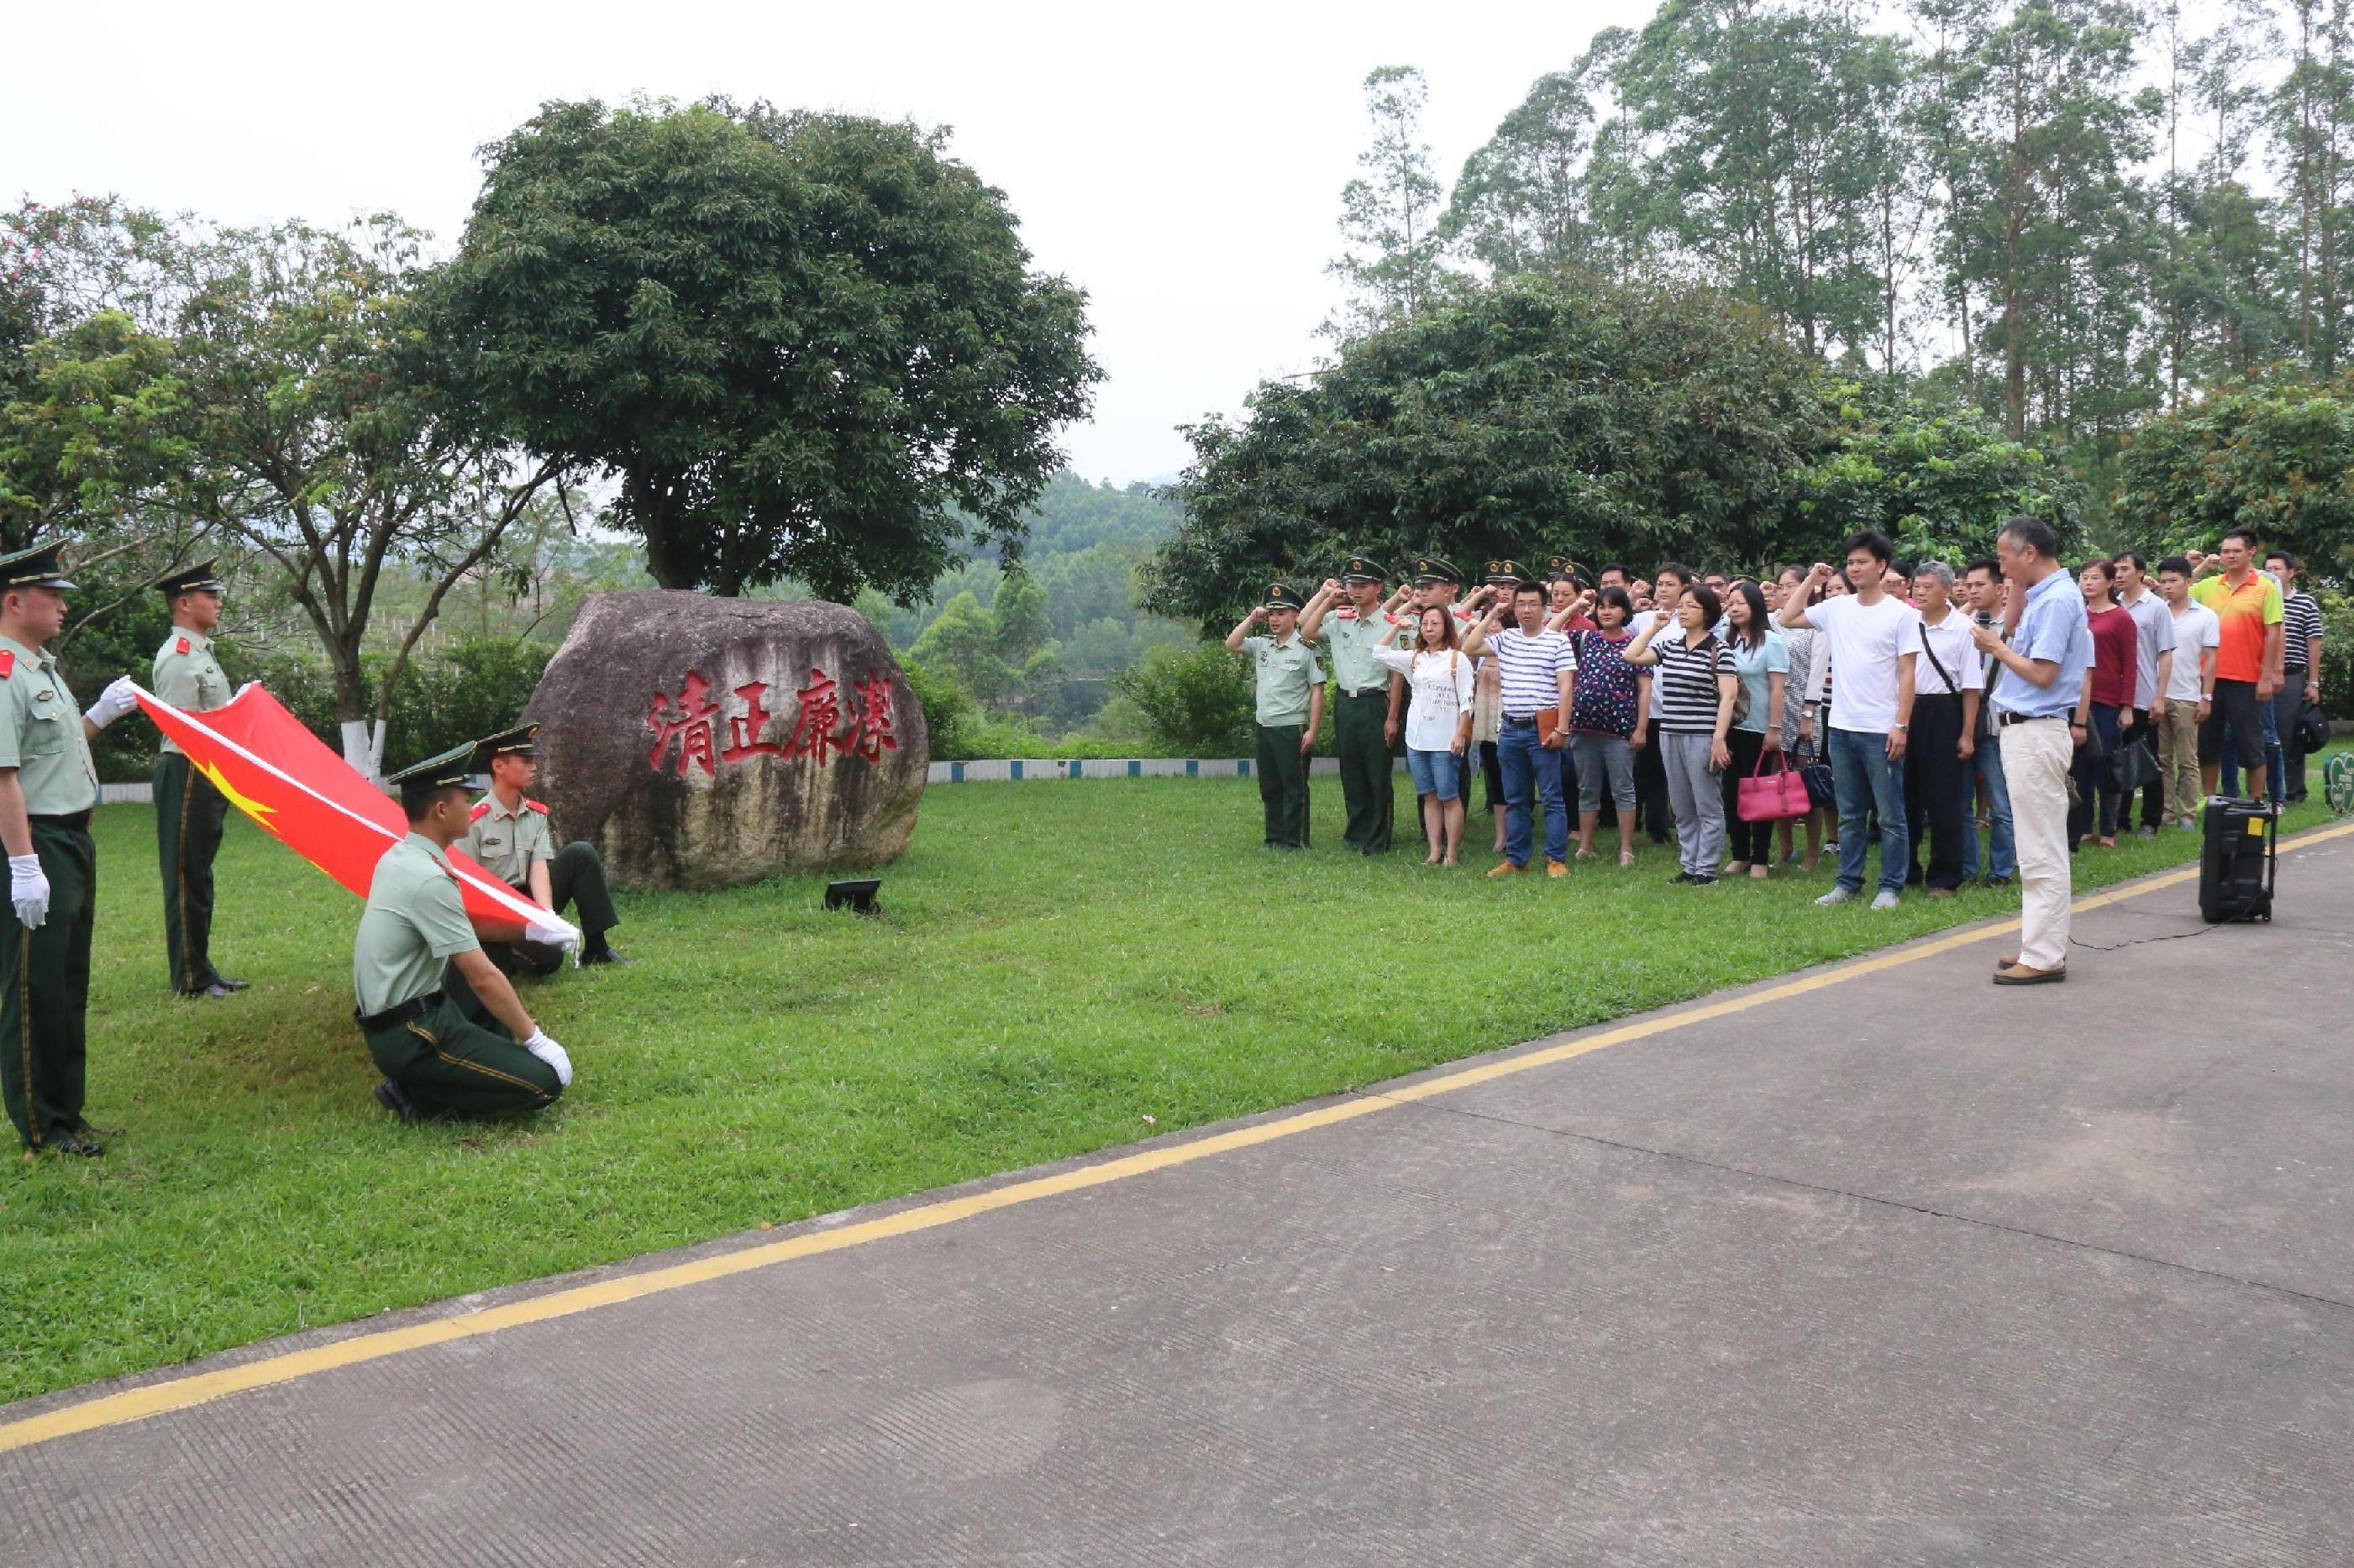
(1906, 1269)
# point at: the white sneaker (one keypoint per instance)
(1885, 900)
(1836, 896)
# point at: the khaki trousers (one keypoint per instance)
(2178, 755)
(2035, 761)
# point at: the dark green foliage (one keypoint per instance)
(810, 344)
(2276, 457)
(2337, 654)
(1197, 702)
(461, 692)
(1529, 417)
(1936, 476)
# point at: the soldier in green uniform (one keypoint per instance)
(1290, 708)
(444, 1025)
(1362, 701)
(48, 787)
(508, 836)
(188, 810)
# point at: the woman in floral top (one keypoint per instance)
(1606, 696)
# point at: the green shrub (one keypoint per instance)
(1196, 703)
(949, 713)
(2337, 654)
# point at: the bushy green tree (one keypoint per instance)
(810, 345)
(1529, 417)
(1196, 702)
(2276, 457)
(1934, 474)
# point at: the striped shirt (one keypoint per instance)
(1530, 667)
(2300, 623)
(1685, 683)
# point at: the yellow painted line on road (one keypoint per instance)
(202, 1388)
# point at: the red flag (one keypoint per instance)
(312, 802)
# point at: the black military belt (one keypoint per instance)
(71, 819)
(394, 1017)
(1366, 691)
(2005, 720)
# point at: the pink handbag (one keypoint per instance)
(1773, 796)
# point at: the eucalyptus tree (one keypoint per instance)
(1390, 213)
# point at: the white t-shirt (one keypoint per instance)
(1865, 639)
(1635, 625)
(1441, 685)
(2196, 630)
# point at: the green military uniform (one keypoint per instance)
(45, 971)
(188, 810)
(507, 841)
(423, 1024)
(1360, 716)
(1288, 676)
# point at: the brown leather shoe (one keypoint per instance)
(2005, 962)
(2020, 974)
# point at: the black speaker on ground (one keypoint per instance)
(2238, 860)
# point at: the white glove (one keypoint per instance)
(112, 703)
(29, 889)
(242, 690)
(549, 1052)
(552, 932)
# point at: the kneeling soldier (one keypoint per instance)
(508, 836)
(441, 1021)
(188, 810)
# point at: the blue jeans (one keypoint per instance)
(1866, 780)
(2002, 853)
(1532, 775)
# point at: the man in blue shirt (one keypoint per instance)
(2038, 701)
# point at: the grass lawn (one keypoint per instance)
(1059, 967)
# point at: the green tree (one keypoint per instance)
(1933, 474)
(2276, 457)
(810, 345)
(1531, 417)
(962, 644)
(1520, 205)
(318, 374)
(1390, 213)
(1195, 701)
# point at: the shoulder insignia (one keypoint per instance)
(539, 806)
(181, 646)
(7, 664)
(480, 808)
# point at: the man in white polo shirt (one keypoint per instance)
(1872, 709)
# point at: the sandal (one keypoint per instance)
(1587, 854)
(1626, 857)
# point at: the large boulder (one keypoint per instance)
(702, 742)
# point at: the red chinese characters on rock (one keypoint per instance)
(823, 728)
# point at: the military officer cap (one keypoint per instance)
(198, 579)
(41, 567)
(1363, 569)
(420, 781)
(1505, 574)
(1565, 568)
(1281, 596)
(1430, 569)
(521, 741)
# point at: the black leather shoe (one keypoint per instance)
(227, 984)
(76, 1143)
(395, 1099)
(216, 991)
(603, 956)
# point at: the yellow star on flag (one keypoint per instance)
(251, 807)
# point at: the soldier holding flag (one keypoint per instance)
(188, 810)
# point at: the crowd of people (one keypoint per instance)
(1898, 693)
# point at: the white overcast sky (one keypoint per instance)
(1182, 164)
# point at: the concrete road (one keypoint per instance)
(1880, 1264)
